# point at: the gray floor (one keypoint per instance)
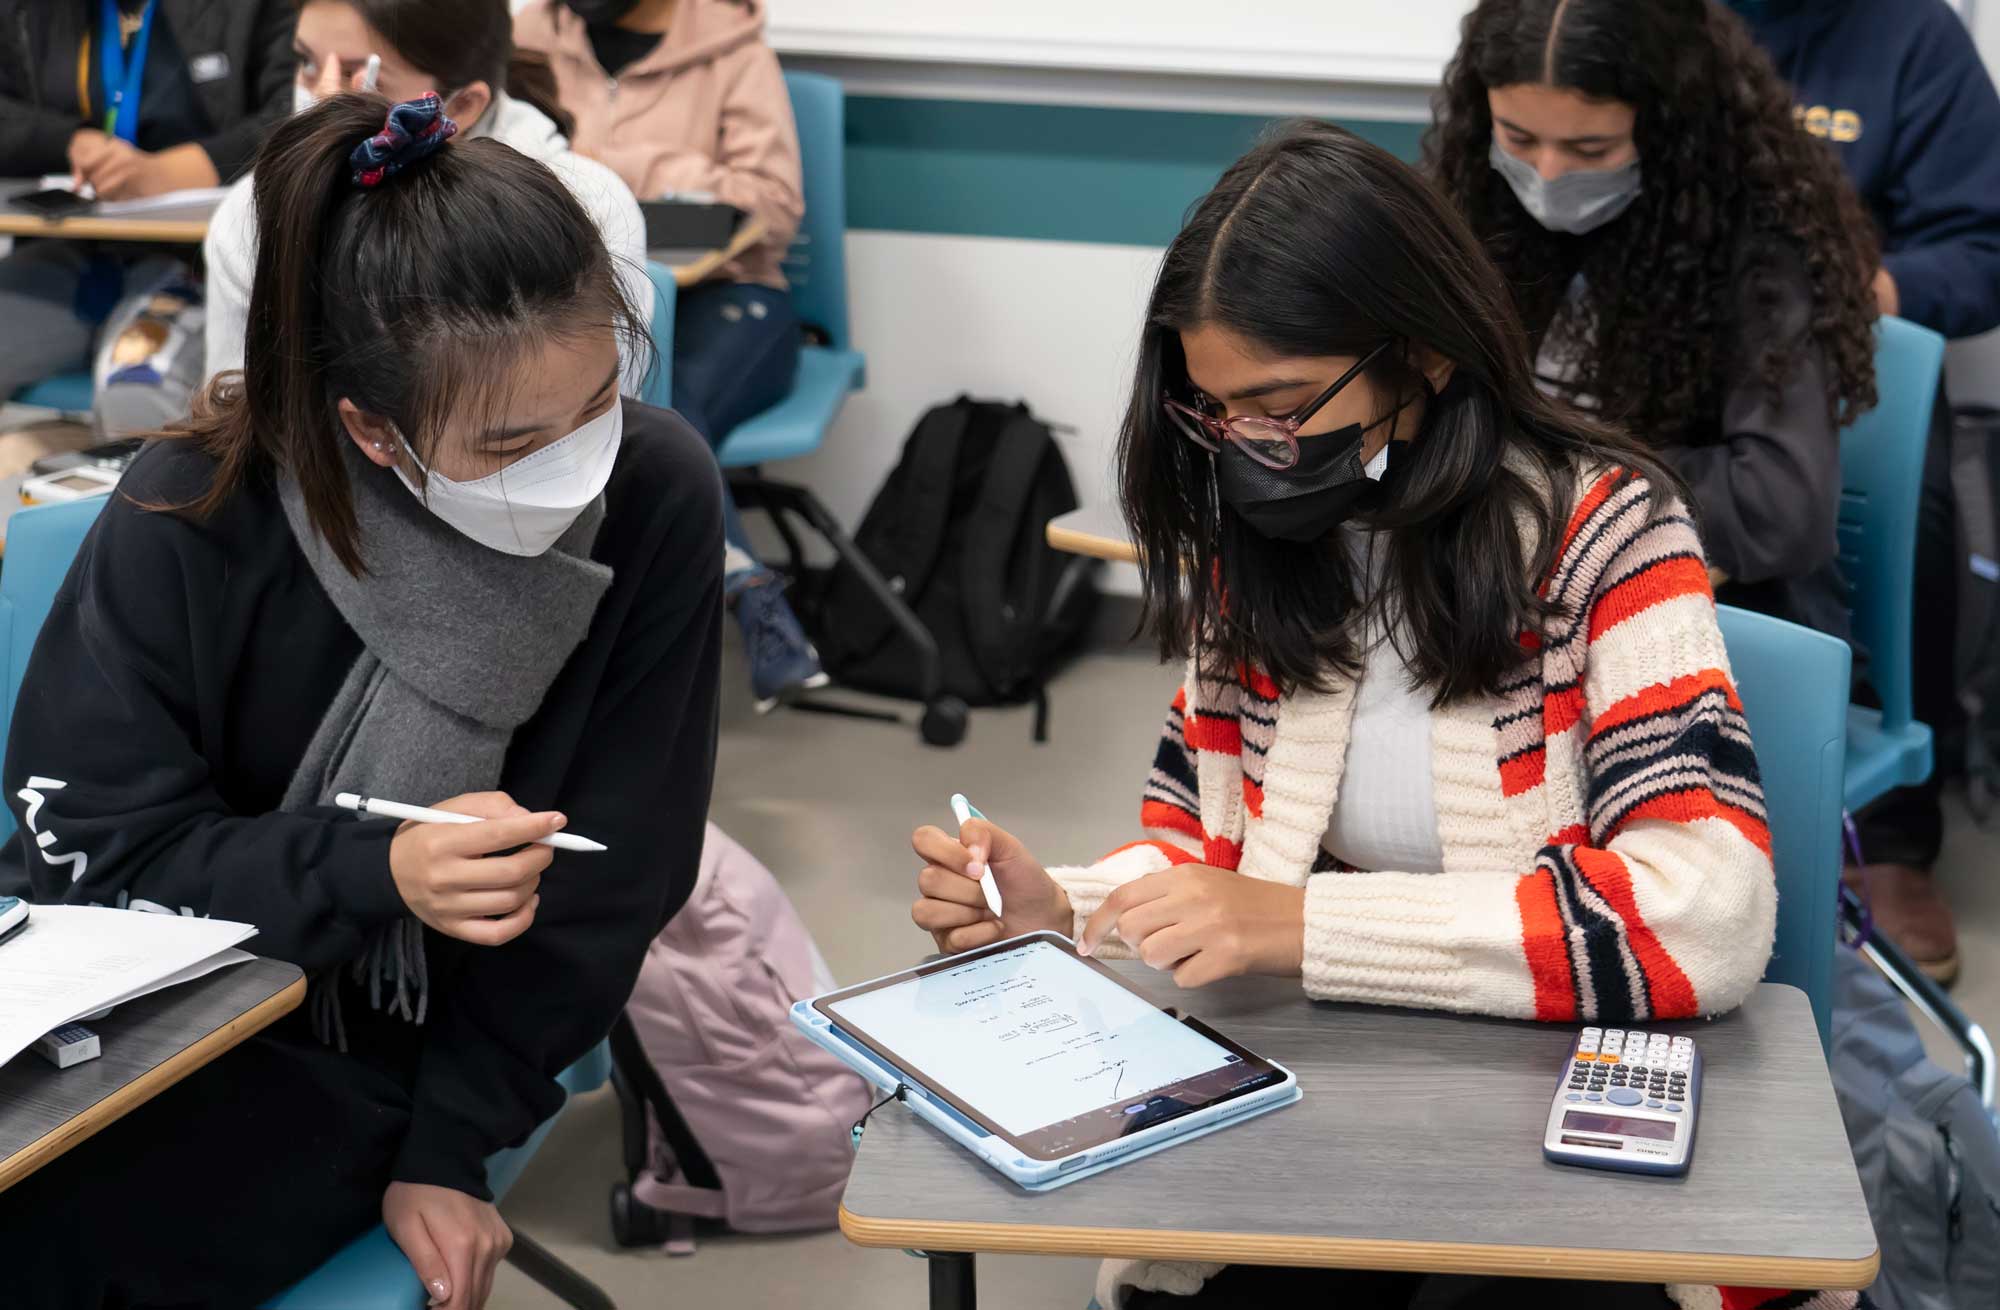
(828, 804)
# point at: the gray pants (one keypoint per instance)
(40, 333)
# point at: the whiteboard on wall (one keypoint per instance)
(1381, 42)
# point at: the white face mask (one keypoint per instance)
(1581, 200)
(525, 507)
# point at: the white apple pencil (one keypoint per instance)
(347, 800)
(962, 810)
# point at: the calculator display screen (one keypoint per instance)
(1584, 1121)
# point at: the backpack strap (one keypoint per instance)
(996, 622)
(695, 1167)
(914, 539)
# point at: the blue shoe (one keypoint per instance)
(782, 662)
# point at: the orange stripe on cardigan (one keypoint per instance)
(1664, 696)
(1168, 817)
(1221, 853)
(1220, 734)
(1523, 772)
(1174, 854)
(1593, 500)
(1672, 993)
(1253, 796)
(1562, 709)
(1693, 805)
(1670, 579)
(1546, 947)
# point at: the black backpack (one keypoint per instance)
(959, 530)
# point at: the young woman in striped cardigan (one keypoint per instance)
(1457, 728)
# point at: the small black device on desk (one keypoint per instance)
(13, 916)
(689, 224)
(54, 203)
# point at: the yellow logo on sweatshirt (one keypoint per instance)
(1841, 125)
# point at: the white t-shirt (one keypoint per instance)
(231, 248)
(1385, 819)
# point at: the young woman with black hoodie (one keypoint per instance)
(419, 550)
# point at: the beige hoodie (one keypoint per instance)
(707, 110)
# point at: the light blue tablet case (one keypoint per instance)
(1030, 1174)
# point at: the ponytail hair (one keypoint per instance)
(404, 297)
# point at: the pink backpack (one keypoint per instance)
(730, 1113)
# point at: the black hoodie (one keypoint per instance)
(1898, 89)
(185, 665)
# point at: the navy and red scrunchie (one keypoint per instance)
(415, 129)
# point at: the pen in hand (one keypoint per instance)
(962, 810)
(347, 800)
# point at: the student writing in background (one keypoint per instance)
(135, 98)
(683, 96)
(419, 550)
(1457, 728)
(1689, 264)
(464, 50)
(1896, 89)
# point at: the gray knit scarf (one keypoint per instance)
(460, 644)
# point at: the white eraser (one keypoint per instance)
(72, 1044)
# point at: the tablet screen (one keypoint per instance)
(1053, 1052)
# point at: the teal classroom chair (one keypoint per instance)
(41, 543)
(71, 393)
(1881, 472)
(1793, 682)
(370, 1273)
(659, 384)
(829, 368)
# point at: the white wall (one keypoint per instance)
(1973, 366)
(1050, 322)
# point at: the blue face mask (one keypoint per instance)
(1582, 200)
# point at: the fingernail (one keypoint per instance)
(440, 1291)
(558, 821)
(1083, 948)
(974, 870)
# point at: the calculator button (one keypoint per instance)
(1574, 1096)
(1592, 1096)
(1684, 1041)
(1672, 1108)
(1623, 1096)
(1593, 1032)
(1650, 1105)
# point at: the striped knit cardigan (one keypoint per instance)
(1606, 855)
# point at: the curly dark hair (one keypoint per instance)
(1732, 192)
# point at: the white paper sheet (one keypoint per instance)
(74, 960)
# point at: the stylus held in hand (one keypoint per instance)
(963, 811)
(347, 800)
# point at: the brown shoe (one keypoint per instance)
(1909, 910)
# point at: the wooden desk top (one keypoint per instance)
(181, 224)
(705, 265)
(149, 1045)
(1418, 1146)
(1094, 530)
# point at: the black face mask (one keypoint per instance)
(600, 13)
(1305, 502)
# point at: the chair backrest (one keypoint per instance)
(659, 387)
(1881, 471)
(1793, 684)
(42, 542)
(816, 265)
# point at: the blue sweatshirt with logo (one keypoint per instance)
(1898, 89)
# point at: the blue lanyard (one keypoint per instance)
(122, 74)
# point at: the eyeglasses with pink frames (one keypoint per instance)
(1272, 442)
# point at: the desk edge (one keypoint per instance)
(1803, 1273)
(172, 231)
(1089, 543)
(144, 1088)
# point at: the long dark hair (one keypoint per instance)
(1317, 243)
(406, 299)
(1732, 191)
(464, 41)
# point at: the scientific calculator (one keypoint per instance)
(1626, 1100)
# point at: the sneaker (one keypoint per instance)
(782, 662)
(1909, 910)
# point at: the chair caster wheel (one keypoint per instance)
(944, 721)
(634, 1223)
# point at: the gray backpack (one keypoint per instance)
(1926, 1150)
